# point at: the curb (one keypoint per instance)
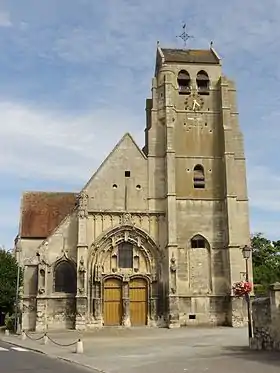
(52, 356)
(20, 345)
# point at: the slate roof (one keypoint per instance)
(42, 212)
(200, 56)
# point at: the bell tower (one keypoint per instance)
(197, 175)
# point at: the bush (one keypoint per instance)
(261, 290)
(10, 321)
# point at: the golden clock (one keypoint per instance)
(194, 103)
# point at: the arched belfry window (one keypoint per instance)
(199, 242)
(184, 82)
(125, 255)
(198, 177)
(202, 82)
(65, 280)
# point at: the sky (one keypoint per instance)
(74, 76)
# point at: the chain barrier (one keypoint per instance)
(33, 339)
(52, 340)
(63, 345)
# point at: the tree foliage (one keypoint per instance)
(266, 260)
(8, 281)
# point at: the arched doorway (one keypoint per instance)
(138, 295)
(112, 302)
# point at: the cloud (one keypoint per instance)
(5, 19)
(264, 188)
(75, 75)
(51, 144)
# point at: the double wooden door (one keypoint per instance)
(112, 298)
(138, 296)
(113, 308)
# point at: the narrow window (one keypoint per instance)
(125, 255)
(65, 278)
(198, 242)
(127, 173)
(184, 82)
(202, 82)
(198, 177)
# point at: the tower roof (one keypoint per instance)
(199, 56)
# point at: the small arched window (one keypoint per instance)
(202, 82)
(198, 177)
(65, 280)
(125, 255)
(184, 82)
(198, 242)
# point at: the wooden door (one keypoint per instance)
(138, 295)
(112, 306)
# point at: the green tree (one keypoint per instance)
(266, 260)
(8, 281)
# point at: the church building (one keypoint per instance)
(154, 238)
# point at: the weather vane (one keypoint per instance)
(184, 36)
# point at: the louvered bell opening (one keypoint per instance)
(184, 82)
(198, 175)
(202, 82)
(203, 77)
(184, 89)
(199, 179)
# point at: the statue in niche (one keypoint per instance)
(173, 265)
(83, 205)
(173, 269)
(82, 268)
(82, 271)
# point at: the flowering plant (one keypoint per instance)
(242, 288)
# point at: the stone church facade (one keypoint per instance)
(154, 237)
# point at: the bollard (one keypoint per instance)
(7, 332)
(45, 339)
(23, 335)
(80, 347)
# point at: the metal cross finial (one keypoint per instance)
(184, 36)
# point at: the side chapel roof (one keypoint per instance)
(42, 212)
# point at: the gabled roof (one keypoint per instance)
(199, 56)
(126, 136)
(42, 212)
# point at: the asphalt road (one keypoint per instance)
(18, 360)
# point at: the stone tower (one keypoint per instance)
(197, 175)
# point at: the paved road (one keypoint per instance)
(18, 360)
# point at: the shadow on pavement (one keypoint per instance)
(260, 356)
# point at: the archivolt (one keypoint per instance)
(112, 238)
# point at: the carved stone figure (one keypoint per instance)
(126, 219)
(173, 265)
(83, 205)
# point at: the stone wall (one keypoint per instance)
(266, 321)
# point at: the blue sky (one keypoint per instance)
(74, 76)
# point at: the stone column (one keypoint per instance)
(275, 296)
(174, 321)
(81, 297)
(126, 302)
(81, 313)
(41, 316)
(153, 311)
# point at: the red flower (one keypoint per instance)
(242, 288)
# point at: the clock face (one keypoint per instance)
(194, 103)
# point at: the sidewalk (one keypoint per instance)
(152, 350)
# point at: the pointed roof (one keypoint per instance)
(126, 136)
